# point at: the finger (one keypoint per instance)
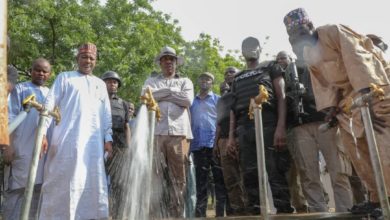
(277, 147)
(282, 147)
(231, 153)
(379, 122)
(385, 105)
(383, 109)
(378, 126)
(378, 129)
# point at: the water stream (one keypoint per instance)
(135, 171)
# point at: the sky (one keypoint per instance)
(231, 21)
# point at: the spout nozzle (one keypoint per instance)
(257, 101)
(263, 95)
(28, 99)
(148, 99)
(375, 92)
(31, 101)
(56, 115)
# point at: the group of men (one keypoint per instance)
(333, 63)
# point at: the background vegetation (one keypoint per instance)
(128, 35)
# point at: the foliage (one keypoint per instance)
(128, 35)
(203, 55)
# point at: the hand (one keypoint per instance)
(232, 148)
(108, 149)
(216, 151)
(383, 110)
(280, 138)
(44, 146)
(378, 123)
(8, 153)
(331, 113)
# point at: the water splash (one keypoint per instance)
(136, 171)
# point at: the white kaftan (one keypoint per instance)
(23, 138)
(23, 142)
(75, 185)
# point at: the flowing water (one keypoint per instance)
(144, 191)
(136, 171)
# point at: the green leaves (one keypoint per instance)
(203, 55)
(128, 37)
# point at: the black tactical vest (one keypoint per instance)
(309, 106)
(246, 86)
(118, 112)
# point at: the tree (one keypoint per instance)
(203, 55)
(128, 36)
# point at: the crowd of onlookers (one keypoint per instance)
(208, 136)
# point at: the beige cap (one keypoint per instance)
(210, 75)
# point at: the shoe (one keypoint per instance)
(302, 209)
(364, 208)
(286, 209)
(376, 213)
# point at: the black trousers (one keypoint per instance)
(204, 162)
(275, 171)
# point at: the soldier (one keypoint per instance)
(297, 198)
(121, 139)
(307, 142)
(244, 87)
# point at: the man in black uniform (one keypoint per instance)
(121, 140)
(246, 86)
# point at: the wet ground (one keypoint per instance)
(311, 216)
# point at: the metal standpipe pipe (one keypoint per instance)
(363, 103)
(376, 162)
(28, 193)
(262, 172)
(255, 109)
(28, 103)
(151, 123)
(17, 121)
(153, 114)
